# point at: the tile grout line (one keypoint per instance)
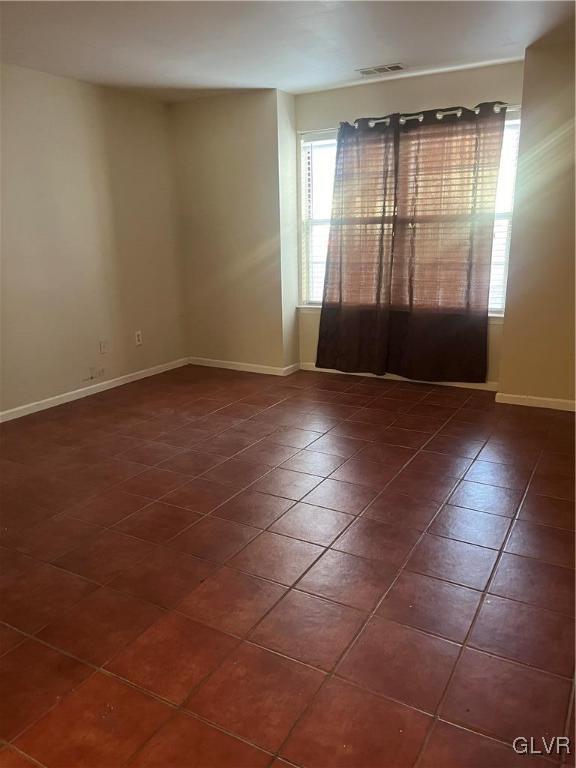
(351, 522)
(402, 567)
(485, 592)
(102, 669)
(246, 639)
(352, 642)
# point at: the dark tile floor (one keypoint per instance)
(211, 568)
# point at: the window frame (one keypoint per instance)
(303, 261)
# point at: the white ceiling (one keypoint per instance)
(173, 47)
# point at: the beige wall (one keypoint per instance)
(538, 343)
(94, 246)
(327, 109)
(467, 87)
(88, 236)
(226, 157)
(288, 195)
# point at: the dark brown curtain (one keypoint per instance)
(408, 266)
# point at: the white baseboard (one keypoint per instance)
(491, 386)
(91, 389)
(248, 367)
(532, 401)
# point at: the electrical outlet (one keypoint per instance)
(138, 338)
(103, 346)
(94, 373)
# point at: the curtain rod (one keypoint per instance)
(509, 108)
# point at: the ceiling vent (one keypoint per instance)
(382, 69)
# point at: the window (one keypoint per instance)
(503, 218)
(317, 173)
(318, 159)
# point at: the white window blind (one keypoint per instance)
(503, 218)
(318, 158)
(317, 173)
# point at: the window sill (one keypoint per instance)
(308, 307)
(315, 308)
